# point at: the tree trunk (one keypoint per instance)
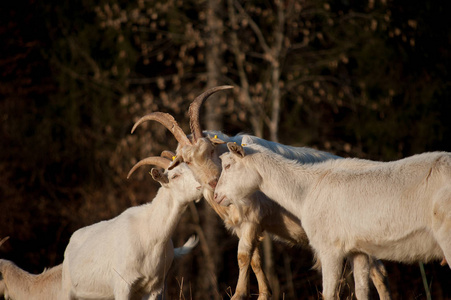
(213, 121)
(213, 113)
(240, 57)
(275, 100)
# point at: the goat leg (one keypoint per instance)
(247, 245)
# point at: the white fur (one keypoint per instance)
(17, 284)
(250, 216)
(398, 211)
(129, 256)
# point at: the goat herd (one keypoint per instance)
(342, 208)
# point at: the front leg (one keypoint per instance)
(248, 235)
(332, 265)
(264, 290)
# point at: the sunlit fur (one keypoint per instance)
(17, 284)
(129, 256)
(398, 211)
(204, 156)
(250, 217)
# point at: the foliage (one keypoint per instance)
(357, 78)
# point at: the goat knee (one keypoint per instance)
(243, 260)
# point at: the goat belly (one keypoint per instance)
(417, 246)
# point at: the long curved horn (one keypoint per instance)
(153, 160)
(169, 122)
(194, 110)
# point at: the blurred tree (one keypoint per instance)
(367, 79)
(398, 83)
(51, 134)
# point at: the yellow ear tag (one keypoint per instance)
(243, 145)
(234, 142)
(215, 136)
(173, 158)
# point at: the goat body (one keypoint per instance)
(397, 211)
(17, 284)
(129, 256)
(249, 217)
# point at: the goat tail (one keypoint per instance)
(3, 240)
(187, 247)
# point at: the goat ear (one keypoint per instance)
(215, 141)
(157, 175)
(175, 162)
(236, 149)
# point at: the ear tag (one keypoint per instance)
(243, 145)
(215, 136)
(173, 158)
(234, 143)
(150, 173)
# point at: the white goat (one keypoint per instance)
(249, 219)
(398, 211)
(129, 256)
(17, 284)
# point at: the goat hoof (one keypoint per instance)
(239, 297)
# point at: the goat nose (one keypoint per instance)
(213, 183)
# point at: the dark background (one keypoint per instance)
(356, 78)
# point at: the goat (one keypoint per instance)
(397, 211)
(250, 219)
(127, 257)
(17, 284)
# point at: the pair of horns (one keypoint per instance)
(171, 124)
(162, 161)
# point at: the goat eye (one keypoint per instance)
(227, 167)
(187, 162)
(175, 176)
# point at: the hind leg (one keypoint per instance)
(364, 268)
(361, 270)
(378, 275)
